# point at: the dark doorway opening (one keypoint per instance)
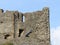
(20, 32)
(6, 36)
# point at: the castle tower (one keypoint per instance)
(31, 28)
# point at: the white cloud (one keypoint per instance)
(55, 36)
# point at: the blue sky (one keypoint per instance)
(34, 5)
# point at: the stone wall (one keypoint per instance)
(6, 23)
(33, 26)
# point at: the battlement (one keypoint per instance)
(32, 26)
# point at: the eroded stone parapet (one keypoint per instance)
(1, 10)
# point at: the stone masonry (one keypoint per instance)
(30, 28)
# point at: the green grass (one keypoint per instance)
(8, 43)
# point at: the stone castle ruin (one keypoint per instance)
(30, 28)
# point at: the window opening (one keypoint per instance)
(6, 36)
(23, 18)
(28, 33)
(20, 32)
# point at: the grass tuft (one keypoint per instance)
(8, 43)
